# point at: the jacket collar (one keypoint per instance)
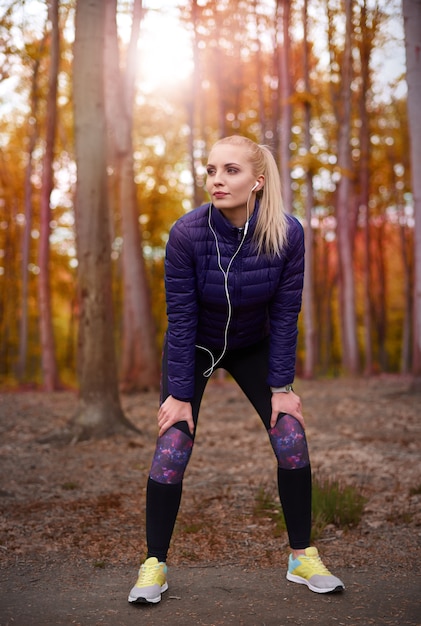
(224, 226)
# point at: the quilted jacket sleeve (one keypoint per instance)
(181, 296)
(284, 310)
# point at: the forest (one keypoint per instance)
(107, 110)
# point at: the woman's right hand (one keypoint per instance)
(172, 411)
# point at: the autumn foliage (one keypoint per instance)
(312, 79)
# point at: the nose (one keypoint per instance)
(218, 179)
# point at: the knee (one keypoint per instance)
(289, 443)
(172, 454)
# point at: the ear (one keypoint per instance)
(261, 180)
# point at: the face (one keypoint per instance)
(230, 177)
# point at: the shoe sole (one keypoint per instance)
(302, 581)
(142, 600)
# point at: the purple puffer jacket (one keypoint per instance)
(265, 295)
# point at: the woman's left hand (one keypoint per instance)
(286, 403)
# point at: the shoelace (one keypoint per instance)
(146, 575)
(316, 564)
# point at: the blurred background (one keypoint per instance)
(324, 83)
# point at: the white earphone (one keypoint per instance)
(225, 273)
(214, 361)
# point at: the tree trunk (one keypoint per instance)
(407, 280)
(32, 140)
(99, 411)
(325, 285)
(192, 103)
(308, 300)
(284, 97)
(48, 357)
(139, 366)
(412, 26)
(345, 248)
(366, 45)
(9, 293)
(381, 316)
(265, 125)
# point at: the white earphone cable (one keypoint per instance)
(214, 362)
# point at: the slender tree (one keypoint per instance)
(380, 254)
(139, 365)
(99, 412)
(308, 291)
(48, 356)
(412, 26)
(408, 278)
(261, 26)
(344, 230)
(193, 102)
(284, 113)
(365, 44)
(33, 135)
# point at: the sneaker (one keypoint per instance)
(308, 569)
(152, 581)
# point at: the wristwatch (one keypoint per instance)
(285, 389)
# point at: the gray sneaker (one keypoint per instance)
(308, 569)
(151, 583)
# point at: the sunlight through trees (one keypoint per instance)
(322, 82)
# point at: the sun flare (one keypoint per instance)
(164, 48)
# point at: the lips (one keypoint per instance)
(219, 194)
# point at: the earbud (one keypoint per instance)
(255, 185)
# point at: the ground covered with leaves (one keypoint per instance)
(86, 502)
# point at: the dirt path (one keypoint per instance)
(72, 519)
(64, 594)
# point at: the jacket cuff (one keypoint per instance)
(177, 397)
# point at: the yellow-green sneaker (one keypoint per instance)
(152, 581)
(308, 569)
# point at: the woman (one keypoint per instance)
(233, 277)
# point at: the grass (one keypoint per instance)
(333, 503)
(70, 486)
(265, 506)
(193, 528)
(415, 491)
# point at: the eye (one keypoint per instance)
(232, 170)
(210, 171)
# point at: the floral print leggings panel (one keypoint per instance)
(174, 448)
(249, 368)
(172, 454)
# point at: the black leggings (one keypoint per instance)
(249, 368)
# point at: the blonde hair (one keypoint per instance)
(271, 229)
